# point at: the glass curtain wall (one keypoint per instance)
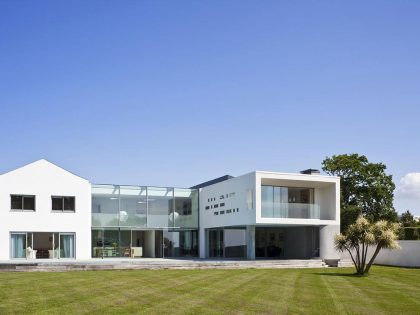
(180, 243)
(97, 243)
(111, 242)
(105, 205)
(144, 207)
(216, 248)
(269, 243)
(186, 208)
(160, 202)
(227, 242)
(125, 243)
(235, 243)
(133, 206)
(118, 242)
(288, 202)
(120, 215)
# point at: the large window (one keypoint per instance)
(22, 202)
(186, 208)
(63, 204)
(105, 205)
(235, 242)
(269, 242)
(227, 243)
(288, 202)
(133, 206)
(42, 245)
(180, 243)
(160, 207)
(140, 206)
(126, 242)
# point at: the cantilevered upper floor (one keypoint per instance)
(269, 198)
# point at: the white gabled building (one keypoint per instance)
(47, 212)
(27, 218)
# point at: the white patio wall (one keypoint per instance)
(407, 256)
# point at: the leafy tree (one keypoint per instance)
(365, 188)
(409, 231)
(407, 219)
(361, 235)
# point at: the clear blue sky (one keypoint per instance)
(179, 92)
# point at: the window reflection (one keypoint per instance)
(288, 202)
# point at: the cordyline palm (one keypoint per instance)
(361, 235)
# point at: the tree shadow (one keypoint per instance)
(340, 274)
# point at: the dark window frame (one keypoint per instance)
(22, 208)
(63, 198)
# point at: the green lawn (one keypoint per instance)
(328, 291)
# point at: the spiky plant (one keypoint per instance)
(361, 235)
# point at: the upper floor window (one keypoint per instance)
(288, 202)
(22, 202)
(63, 203)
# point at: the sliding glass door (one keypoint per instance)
(42, 245)
(216, 246)
(227, 242)
(67, 245)
(18, 245)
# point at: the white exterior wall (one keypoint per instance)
(326, 241)
(326, 190)
(407, 256)
(327, 196)
(44, 179)
(240, 186)
(243, 187)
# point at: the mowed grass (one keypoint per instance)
(271, 291)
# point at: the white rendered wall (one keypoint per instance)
(326, 241)
(44, 179)
(407, 256)
(243, 187)
(327, 195)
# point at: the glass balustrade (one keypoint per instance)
(288, 202)
(290, 210)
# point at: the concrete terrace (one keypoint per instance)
(156, 264)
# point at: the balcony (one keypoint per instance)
(290, 210)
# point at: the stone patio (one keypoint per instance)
(156, 264)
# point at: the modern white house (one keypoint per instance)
(47, 212)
